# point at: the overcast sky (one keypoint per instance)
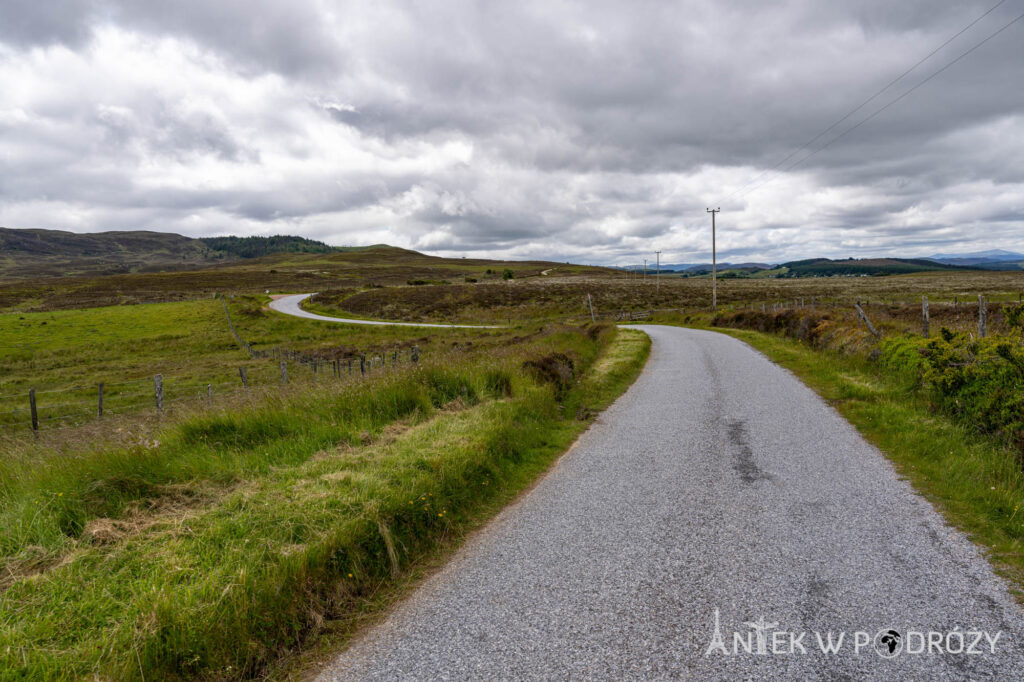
(596, 132)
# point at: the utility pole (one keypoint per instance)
(714, 261)
(645, 270)
(657, 278)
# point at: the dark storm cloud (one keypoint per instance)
(26, 23)
(598, 130)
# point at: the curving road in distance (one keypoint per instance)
(717, 485)
(289, 305)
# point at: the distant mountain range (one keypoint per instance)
(47, 253)
(992, 254)
(995, 259)
(42, 253)
(684, 267)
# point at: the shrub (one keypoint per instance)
(557, 369)
(978, 381)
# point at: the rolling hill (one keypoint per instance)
(54, 253)
(824, 267)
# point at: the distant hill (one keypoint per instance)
(815, 267)
(701, 268)
(994, 259)
(990, 255)
(256, 247)
(48, 253)
(824, 267)
(694, 268)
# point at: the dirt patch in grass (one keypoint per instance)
(168, 506)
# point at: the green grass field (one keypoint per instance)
(219, 541)
(65, 354)
(216, 544)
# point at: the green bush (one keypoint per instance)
(902, 355)
(979, 381)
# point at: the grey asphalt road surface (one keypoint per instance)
(717, 482)
(289, 305)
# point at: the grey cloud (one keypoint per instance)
(25, 23)
(594, 127)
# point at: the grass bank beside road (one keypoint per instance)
(222, 543)
(975, 480)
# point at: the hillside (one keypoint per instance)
(256, 247)
(55, 253)
(824, 267)
(350, 268)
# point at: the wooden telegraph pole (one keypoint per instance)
(657, 277)
(714, 261)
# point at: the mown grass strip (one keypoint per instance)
(974, 481)
(222, 590)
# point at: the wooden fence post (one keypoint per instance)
(32, 408)
(864, 319)
(982, 315)
(415, 354)
(924, 316)
(284, 373)
(243, 372)
(209, 395)
(362, 364)
(99, 403)
(158, 390)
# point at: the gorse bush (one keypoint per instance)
(979, 381)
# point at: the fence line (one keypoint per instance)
(168, 391)
(859, 307)
(104, 402)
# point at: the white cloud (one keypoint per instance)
(592, 131)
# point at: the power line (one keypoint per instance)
(874, 97)
(880, 110)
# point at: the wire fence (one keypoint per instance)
(62, 406)
(44, 407)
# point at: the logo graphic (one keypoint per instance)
(764, 638)
(761, 628)
(888, 643)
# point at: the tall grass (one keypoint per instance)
(228, 539)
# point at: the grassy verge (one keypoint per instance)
(232, 539)
(974, 481)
